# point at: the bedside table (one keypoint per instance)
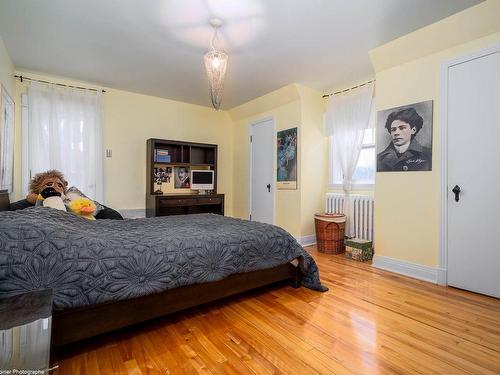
(25, 329)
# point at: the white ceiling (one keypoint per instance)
(155, 47)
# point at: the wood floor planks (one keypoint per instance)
(370, 322)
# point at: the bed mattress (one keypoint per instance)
(90, 262)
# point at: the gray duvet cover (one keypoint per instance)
(89, 262)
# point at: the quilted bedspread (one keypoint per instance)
(88, 262)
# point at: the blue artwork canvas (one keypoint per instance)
(287, 159)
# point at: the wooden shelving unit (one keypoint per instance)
(182, 154)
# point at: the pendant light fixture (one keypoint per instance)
(215, 64)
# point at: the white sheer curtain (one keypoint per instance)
(65, 133)
(6, 141)
(347, 118)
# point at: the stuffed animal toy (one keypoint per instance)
(49, 197)
(49, 179)
(83, 207)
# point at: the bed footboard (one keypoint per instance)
(80, 323)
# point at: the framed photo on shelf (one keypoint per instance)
(163, 175)
(181, 178)
(286, 146)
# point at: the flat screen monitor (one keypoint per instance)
(202, 180)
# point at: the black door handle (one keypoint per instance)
(456, 190)
(268, 187)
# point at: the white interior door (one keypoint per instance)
(473, 241)
(262, 167)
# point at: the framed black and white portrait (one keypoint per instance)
(181, 178)
(404, 138)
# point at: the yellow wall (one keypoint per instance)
(290, 106)
(407, 223)
(313, 158)
(129, 120)
(284, 106)
(6, 70)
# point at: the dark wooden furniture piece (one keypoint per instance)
(27, 316)
(4, 201)
(182, 154)
(79, 323)
(177, 204)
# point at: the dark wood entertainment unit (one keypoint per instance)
(175, 204)
(181, 154)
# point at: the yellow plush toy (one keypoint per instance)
(83, 207)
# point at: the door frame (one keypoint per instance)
(250, 166)
(442, 274)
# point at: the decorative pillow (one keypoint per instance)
(73, 193)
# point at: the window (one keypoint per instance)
(365, 169)
(364, 176)
(6, 140)
(62, 129)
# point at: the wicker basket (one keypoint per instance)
(330, 229)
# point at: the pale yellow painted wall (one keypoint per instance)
(290, 106)
(313, 158)
(407, 205)
(129, 120)
(284, 106)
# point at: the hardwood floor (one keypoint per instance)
(370, 322)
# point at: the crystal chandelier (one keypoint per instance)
(215, 64)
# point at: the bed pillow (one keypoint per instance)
(109, 213)
(74, 193)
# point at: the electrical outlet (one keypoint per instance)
(109, 153)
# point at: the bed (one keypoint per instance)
(108, 274)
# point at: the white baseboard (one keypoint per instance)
(306, 240)
(135, 213)
(418, 271)
(442, 278)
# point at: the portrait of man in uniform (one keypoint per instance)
(404, 138)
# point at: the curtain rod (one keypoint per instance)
(350, 88)
(22, 78)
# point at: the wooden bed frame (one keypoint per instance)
(83, 322)
(80, 323)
